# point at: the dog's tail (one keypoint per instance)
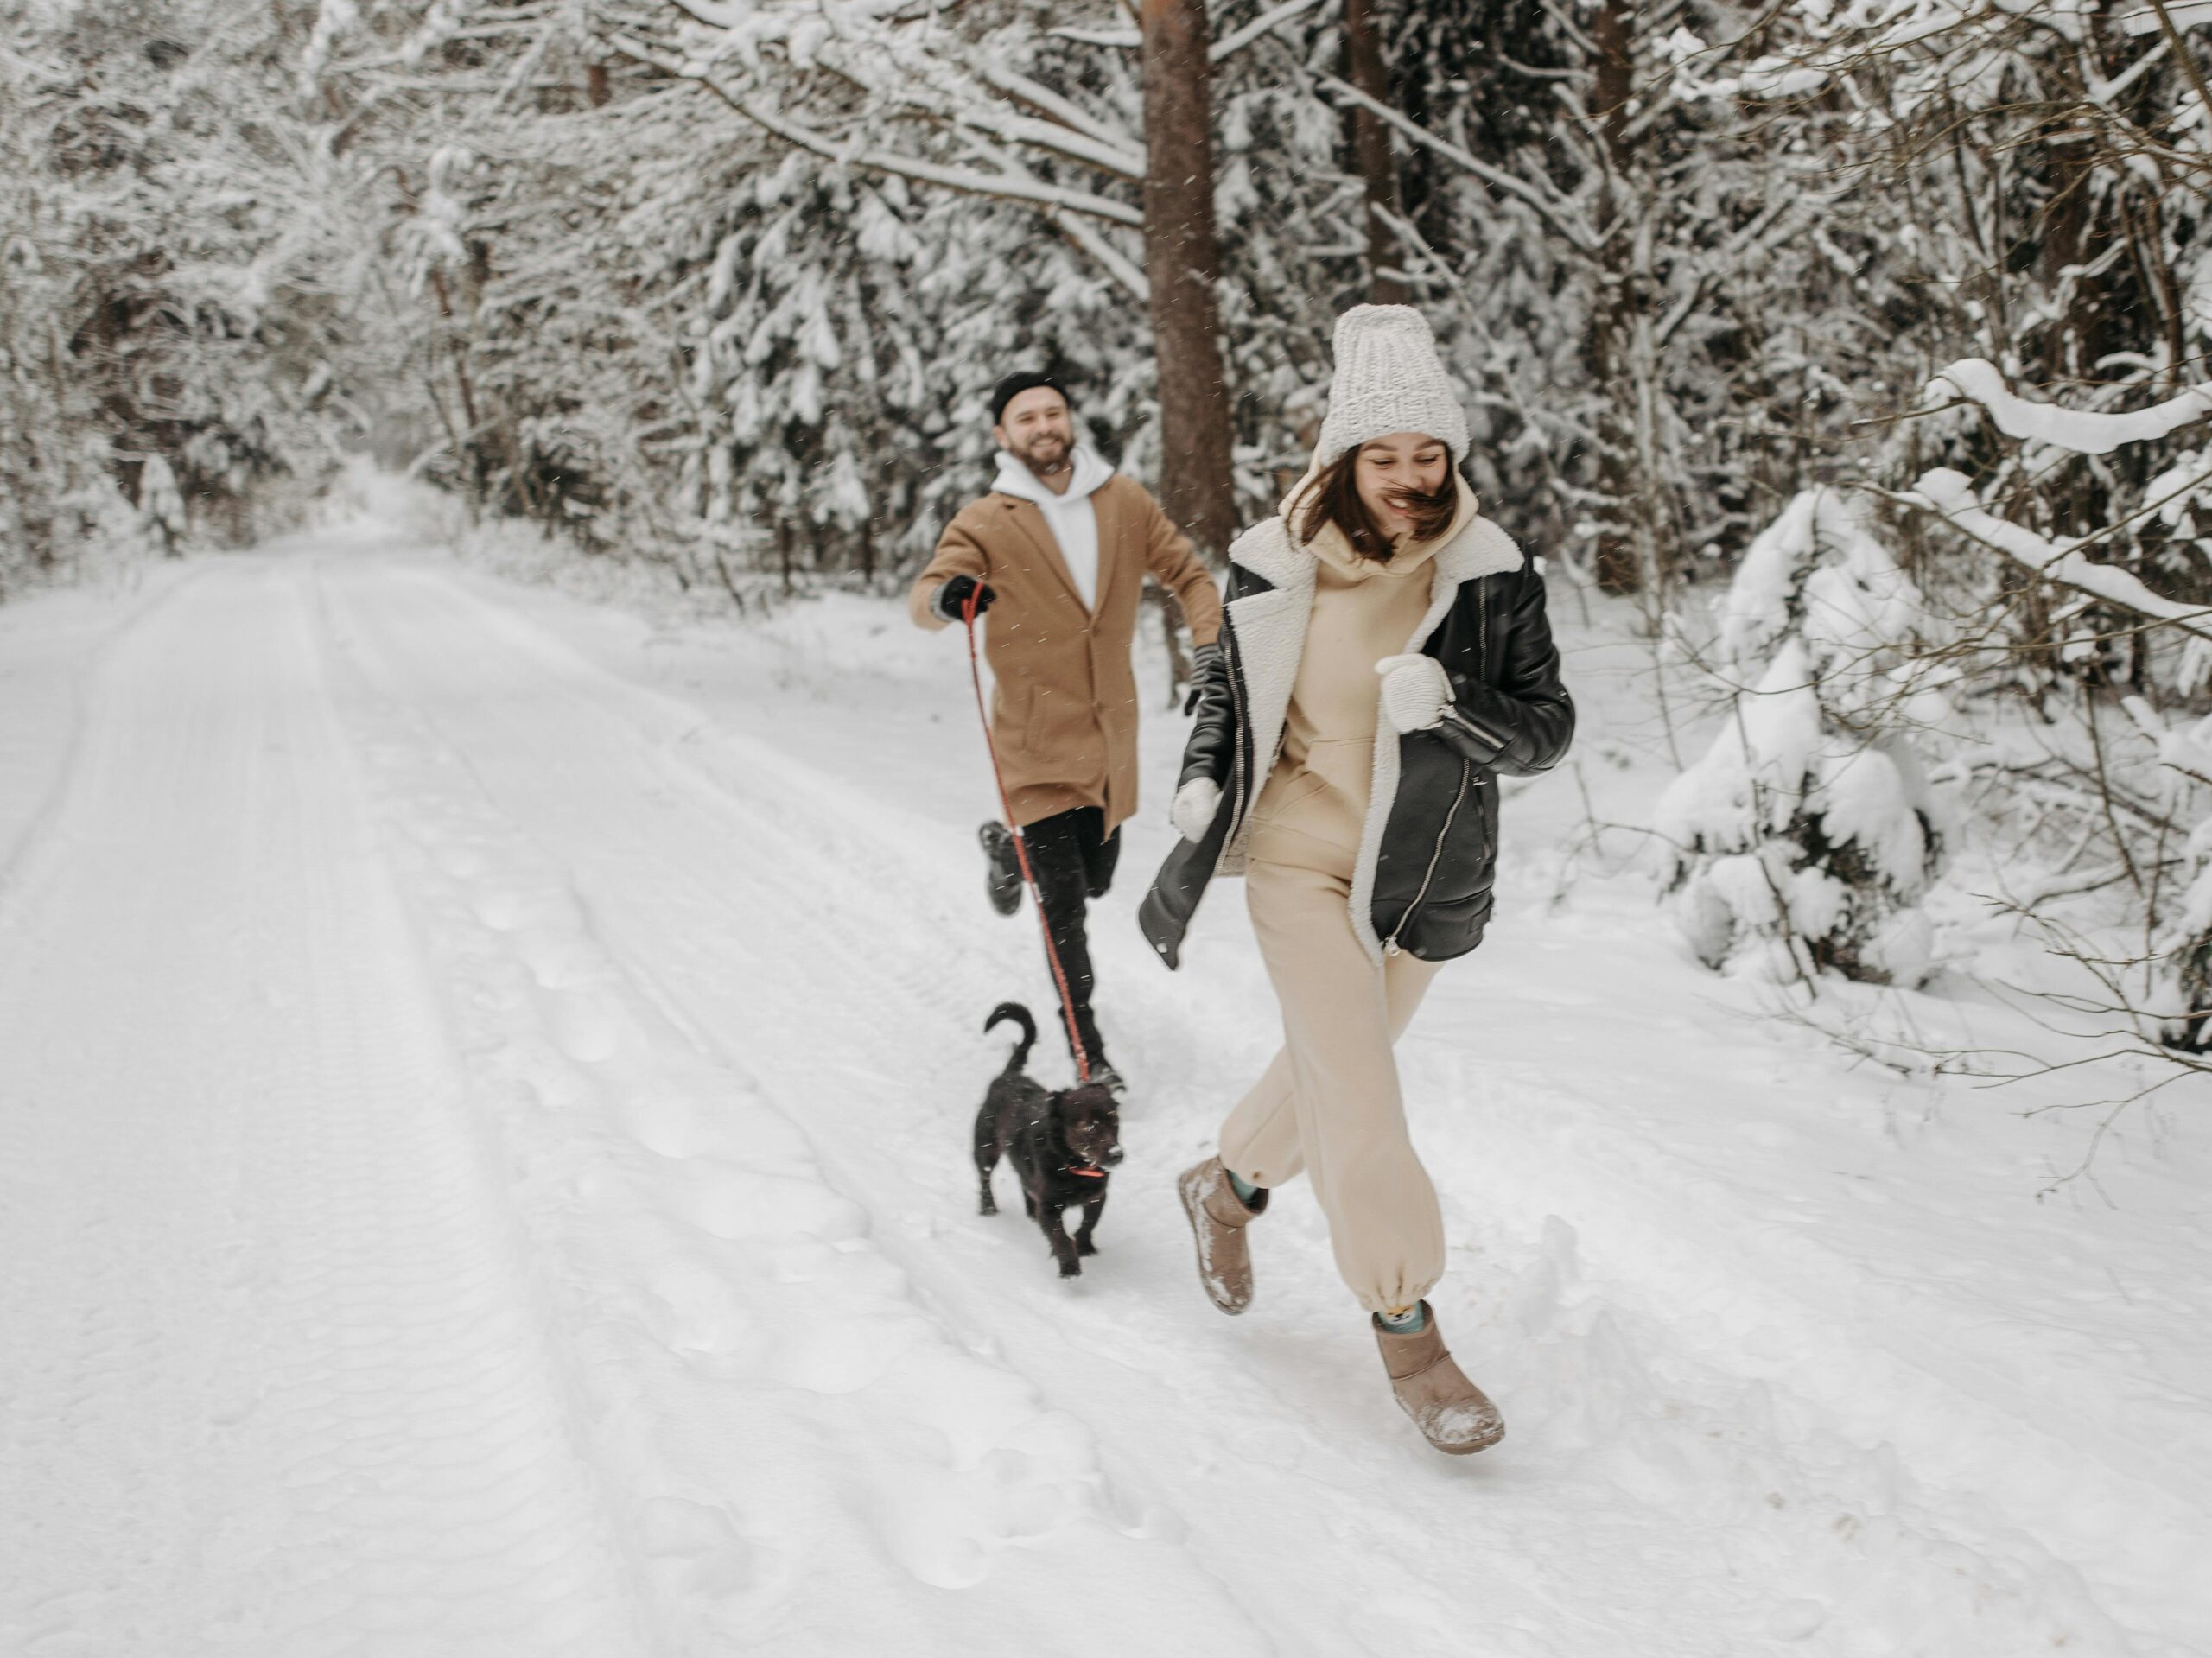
(1020, 1015)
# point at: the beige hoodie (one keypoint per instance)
(1312, 810)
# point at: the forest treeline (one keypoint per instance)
(715, 281)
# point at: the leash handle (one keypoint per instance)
(1020, 842)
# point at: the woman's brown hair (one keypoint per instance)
(1334, 499)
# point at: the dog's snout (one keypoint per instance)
(1112, 1158)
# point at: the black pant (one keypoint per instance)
(1072, 858)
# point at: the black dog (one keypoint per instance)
(1061, 1144)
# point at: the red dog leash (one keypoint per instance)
(1022, 847)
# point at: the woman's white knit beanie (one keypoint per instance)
(1388, 380)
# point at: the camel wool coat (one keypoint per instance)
(1064, 714)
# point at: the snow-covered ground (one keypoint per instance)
(484, 1091)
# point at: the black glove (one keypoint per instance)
(1206, 661)
(951, 598)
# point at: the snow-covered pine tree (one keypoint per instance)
(2180, 979)
(1806, 835)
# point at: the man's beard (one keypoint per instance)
(1043, 465)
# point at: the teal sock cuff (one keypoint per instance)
(1244, 1188)
(1411, 1322)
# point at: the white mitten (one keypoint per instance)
(1415, 691)
(1196, 802)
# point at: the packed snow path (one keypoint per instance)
(483, 1170)
(274, 1372)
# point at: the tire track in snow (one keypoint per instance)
(808, 1452)
(272, 1382)
(66, 678)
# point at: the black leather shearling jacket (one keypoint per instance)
(1438, 853)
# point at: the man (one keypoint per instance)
(1056, 554)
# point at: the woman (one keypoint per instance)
(1385, 655)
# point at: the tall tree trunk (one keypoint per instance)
(1378, 172)
(1613, 35)
(468, 452)
(1620, 479)
(1182, 262)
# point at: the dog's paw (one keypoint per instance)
(987, 1207)
(1071, 1269)
(1085, 1246)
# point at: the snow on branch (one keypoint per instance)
(1979, 381)
(1268, 21)
(1127, 150)
(1553, 212)
(1128, 39)
(2186, 14)
(1108, 156)
(1236, 41)
(1950, 493)
(1011, 187)
(1111, 259)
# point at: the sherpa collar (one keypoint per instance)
(1480, 548)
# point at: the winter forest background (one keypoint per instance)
(1852, 351)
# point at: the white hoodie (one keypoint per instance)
(1070, 518)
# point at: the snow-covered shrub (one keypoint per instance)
(2180, 966)
(2188, 958)
(1806, 835)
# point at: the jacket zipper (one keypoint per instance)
(1466, 772)
(1240, 760)
(1482, 644)
(1435, 857)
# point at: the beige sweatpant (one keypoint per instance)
(1329, 1103)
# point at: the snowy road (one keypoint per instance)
(275, 1376)
(482, 1169)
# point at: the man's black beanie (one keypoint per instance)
(1014, 385)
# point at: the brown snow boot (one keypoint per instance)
(1451, 1411)
(1219, 1217)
